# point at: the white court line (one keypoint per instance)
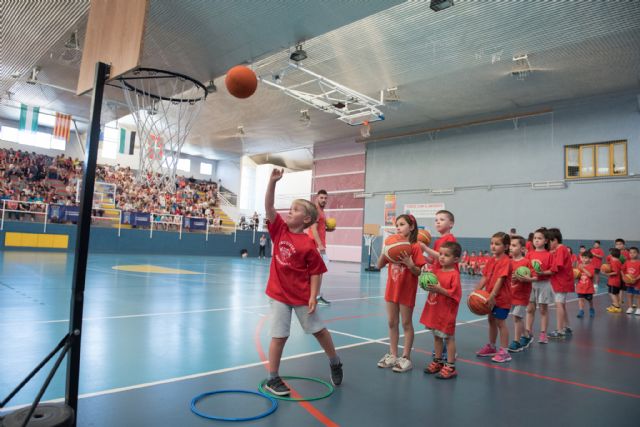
(250, 365)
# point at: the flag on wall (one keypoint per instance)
(62, 128)
(28, 118)
(127, 139)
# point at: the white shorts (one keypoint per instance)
(561, 297)
(281, 319)
(519, 311)
(440, 334)
(542, 293)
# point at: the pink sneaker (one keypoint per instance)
(501, 356)
(542, 339)
(487, 351)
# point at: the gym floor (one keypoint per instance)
(160, 330)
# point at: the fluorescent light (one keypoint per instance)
(548, 185)
(442, 191)
(362, 195)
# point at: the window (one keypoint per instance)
(184, 165)
(34, 139)
(110, 142)
(596, 160)
(206, 168)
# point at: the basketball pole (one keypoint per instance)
(82, 240)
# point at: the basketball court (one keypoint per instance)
(165, 329)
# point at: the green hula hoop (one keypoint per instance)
(302, 399)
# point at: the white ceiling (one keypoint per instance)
(448, 66)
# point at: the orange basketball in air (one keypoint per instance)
(241, 81)
(424, 236)
(605, 268)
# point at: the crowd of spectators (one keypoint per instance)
(28, 181)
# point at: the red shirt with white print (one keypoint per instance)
(440, 311)
(616, 267)
(295, 260)
(562, 277)
(632, 267)
(520, 291)
(585, 283)
(402, 284)
(494, 270)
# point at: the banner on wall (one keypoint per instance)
(194, 223)
(389, 210)
(423, 210)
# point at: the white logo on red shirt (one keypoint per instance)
(396, 271)
(285, 251)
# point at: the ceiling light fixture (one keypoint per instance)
(73, 43)
(299, 54)
(438, 5)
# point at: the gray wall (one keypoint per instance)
(492, 165)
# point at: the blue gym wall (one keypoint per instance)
(501, 155)
(495, 164)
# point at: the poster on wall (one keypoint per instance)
(389, 209)
(423, 210)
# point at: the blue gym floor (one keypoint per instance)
(152, 341)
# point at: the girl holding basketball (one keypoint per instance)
(496, 279)
(400, 294)
(541, 292)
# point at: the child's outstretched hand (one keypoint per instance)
(276, 175)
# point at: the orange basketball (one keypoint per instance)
(477, 302)
(628, 278)
(605, 268)
(394, 246)
(241, 81)
(576, 273)
(424, 236)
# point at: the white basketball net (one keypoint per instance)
(164, 106)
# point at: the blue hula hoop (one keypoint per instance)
(274, 405)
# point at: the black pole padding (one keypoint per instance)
(15, 391)
(82, 239)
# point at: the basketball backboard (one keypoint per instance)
(114, 36)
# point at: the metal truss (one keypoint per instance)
(350, 106)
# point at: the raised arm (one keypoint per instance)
(270, 210)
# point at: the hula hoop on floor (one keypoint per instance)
(274, 405)
(263, 390)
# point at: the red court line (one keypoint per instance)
(542, 377)
(623, 353)
(306, 405)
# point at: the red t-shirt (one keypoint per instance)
(529, 247)
(616, 266)
(632, 266)
(520, 291)
(495, 269)
(624, 254)
(544, 258)
(574, 259)
(562, 277)
(322, 228)
(440, 311)
(435, 266)
(295, 260)
(585, 283)
(402, 285)
(598, 255)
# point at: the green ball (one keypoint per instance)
(536, 265)
(427, 279)
(523, 271)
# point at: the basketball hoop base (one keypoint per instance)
(371, 268)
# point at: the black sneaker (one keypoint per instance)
(322, 301)
(277, 386)
(336, 374)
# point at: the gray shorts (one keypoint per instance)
(542, 293)
(519, 311)
(281, 319)
(561, 297)
(440, 334)
(326, 260)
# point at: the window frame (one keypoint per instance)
(595, 146)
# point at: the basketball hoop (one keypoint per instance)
(164, 106)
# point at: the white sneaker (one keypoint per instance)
(631, 310)
(387, 361)
(403, 365)
(637, 311)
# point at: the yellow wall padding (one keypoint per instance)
(36, 240)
